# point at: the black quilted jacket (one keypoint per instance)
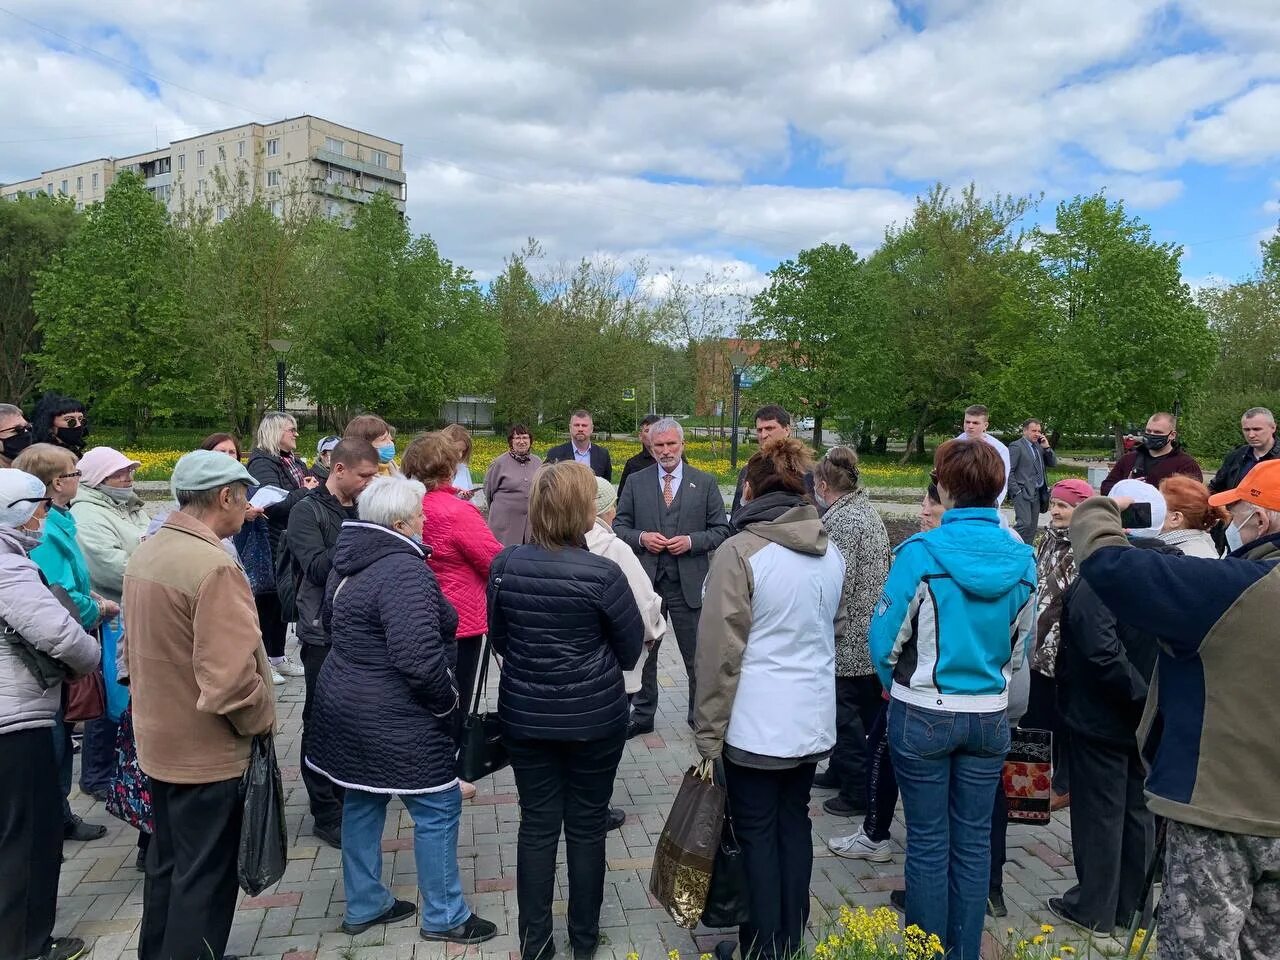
(566, 624)
(382, 713)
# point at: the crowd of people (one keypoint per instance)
(1134, 626)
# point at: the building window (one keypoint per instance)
(48, 188)
(380, 159)
(199, 158)
(273, 178)
(95, 182)
(222, 213)
(333, 145)
(277, 207)
(199, 188)
(182, 161)
(240, 150)
(334, 209)
(63, 188)
(273, 148)
(222, 154)
(79, 184)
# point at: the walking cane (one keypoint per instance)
(1144, 916)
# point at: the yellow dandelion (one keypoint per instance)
(1038, 939)
(633, 956)
(704, 956)
(673, 955)
(1046, 928)
(1068, 949)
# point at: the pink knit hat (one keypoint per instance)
(101, 462)
(1073, 490)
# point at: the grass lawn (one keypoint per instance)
(159, 451)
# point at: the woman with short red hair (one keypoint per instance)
(1190, 518)
(951, 629)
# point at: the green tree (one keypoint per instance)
(953, 282)
(821, 323)
(401, 329)
(111, 314)
(33, 230)
(1126, 339)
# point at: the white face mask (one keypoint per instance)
(1232, 533)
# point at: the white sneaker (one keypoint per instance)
(860, 847)
(289, 667)
(276, 678)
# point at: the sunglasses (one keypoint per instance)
(17, 430)
(75, 475)
(47, 501)
(77, 421)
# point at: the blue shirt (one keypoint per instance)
(582, 456)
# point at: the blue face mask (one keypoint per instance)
(386, 453)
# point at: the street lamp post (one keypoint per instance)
(738, 359)
(1177, 401)
(281, 347)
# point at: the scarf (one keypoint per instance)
(297, 472)
(520, 457)
(1055, 569)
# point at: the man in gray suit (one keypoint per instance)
(1029, 457)
(672, 515)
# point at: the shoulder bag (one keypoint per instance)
(482, 751)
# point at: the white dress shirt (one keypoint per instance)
(677, 475)
(1004, 455)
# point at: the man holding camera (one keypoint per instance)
(1208, 732)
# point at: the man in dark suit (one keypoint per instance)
(642, 459)
(1029, 457)
(672, 516)
(581, 449)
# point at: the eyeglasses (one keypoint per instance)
(17, 430)
(70, 476)
(74, 421)
(47, 501)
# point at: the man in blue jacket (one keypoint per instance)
(1208, 734)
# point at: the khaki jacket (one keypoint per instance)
(199, 675)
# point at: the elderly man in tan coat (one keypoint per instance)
(201, 692)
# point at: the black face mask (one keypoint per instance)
(1155, 441)
(71, 437)
(17, 443)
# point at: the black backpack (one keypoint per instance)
(288, 577)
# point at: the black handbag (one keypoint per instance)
(727, 903)
(1043, 494)
(482, 751)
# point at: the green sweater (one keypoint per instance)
(59, 558)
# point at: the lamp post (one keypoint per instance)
(738, 360)
(281, 347)
(1177, 375)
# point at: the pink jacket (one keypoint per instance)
(462, 547)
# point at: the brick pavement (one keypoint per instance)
(101, 891)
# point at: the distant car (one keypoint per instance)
(804, 423)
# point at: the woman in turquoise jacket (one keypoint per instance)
(63, 565)
(952, 627)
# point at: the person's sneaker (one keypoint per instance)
(838, 806)
(635, 729)
(826, 780)
(859, 846)
(77, 829)
(63, 948)
(289, 667)
(102, 794)
(330, 835)
(473, 930)
(276, 678)
(400, 910)
(995, 904)
(898, 900)
(616, 819)
(1059, 909)
(726, 949)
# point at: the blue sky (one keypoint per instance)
(716, 137)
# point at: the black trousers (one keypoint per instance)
(98, 754)
(189, 896)
(1043, 714)
(271, 622)
(562, 784)
(324, 796)
(1112, 832)
(684, 623)
(30, 842)
(771, 819)
(882, 784)
(858, 700)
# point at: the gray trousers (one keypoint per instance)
(1026, 517)
(684, 623)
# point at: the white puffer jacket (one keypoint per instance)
(28, 607)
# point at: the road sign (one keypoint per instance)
(629, 394)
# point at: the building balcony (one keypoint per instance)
(350, 163)
(160, 180)
(341, 191)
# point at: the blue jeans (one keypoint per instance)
(948, 768)
(435, 851)
(98, 755)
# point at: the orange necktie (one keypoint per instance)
(667, 493)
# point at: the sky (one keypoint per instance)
(704, 136)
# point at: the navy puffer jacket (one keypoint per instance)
(384, 701)
(566, 624)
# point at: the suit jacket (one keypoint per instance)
(601, 463)
(700, 517)
(1023, 472)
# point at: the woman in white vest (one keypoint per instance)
(766, 690)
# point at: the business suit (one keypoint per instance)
(1028, 463)
(601, 463)
(696, 511)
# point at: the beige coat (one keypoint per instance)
(603, 542)
(199, 676)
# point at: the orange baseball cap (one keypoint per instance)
(1261, 487)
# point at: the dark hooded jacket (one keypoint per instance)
(382, 718)
(566, 624)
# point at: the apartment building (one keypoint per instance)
(300, 160)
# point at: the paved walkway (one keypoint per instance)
(101, 891)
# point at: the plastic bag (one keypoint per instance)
(727, 904)
(686, 850)
(263, 851)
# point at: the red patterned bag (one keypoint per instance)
(1028, 774)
